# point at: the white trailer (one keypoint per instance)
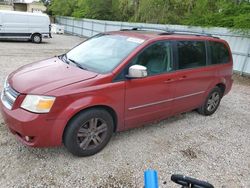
(24, 25)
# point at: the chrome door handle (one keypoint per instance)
(183, 77)
(169, 80)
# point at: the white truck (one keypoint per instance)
(24, 25)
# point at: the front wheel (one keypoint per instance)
(89, 132)
(212, 102)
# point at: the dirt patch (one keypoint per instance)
(189, 153)
(116, 182)
(242, 80)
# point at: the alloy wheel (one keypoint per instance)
(213, 101)
(92, 133)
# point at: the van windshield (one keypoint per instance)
(104, 52)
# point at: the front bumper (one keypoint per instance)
(42, 131)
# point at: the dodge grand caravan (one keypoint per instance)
(113, 82)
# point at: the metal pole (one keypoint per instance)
(67, 25)
(82, 27)
(105, 27)
(92, 29)
(245, 61)
(73, 27)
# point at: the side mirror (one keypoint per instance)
(137, 71)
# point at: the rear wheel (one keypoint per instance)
(212, 102)
(89, 132)
(36, 38)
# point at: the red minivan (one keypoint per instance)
(113, 82)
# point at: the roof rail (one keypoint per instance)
(145, 29)
(169, 31)
(172, 32)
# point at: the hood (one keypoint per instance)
(45, 76)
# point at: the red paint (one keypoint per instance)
(77, 89)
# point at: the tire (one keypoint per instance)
(36, 38)
(212, 102)
(88, 132)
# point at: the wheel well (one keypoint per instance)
(222, 87)
(107, 108)
(35, 34)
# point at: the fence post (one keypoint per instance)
(245, 61)
(92, 28)
(105, 26)
(73, 28)
(66, 24)
(82, 27)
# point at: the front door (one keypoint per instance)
(150, 98)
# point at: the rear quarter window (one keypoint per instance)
(191, 54)
(219, 53)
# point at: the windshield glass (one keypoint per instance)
(103, 53)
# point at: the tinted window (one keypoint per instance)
(191, 54)
(157, 58)
(219, 53)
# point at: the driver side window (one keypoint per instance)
(157, 58)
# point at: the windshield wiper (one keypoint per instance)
(77, 64)
(67, 60)
(63, 57)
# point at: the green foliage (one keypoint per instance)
(123, 10)
(63, 7)
(230, 14)
(98, 9)
(233, 14)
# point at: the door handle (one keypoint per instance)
(169, 80)
(183, 77)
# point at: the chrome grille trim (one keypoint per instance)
(9, 96)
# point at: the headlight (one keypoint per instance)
(38, 104)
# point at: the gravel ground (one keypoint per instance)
(213, 148)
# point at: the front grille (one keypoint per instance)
(9, 96)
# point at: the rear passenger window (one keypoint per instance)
(191, 54)
(219, 53)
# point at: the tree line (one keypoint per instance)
(209, 13)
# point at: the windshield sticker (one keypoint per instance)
(135, 40)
